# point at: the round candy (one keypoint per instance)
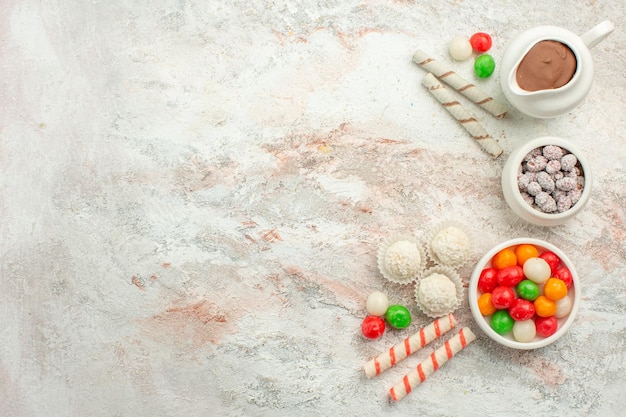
(398, 316)
(563, 307)
(537, 270)
(487, 280)
(564, 274)
(510, 276)
(485, 305)
(552, 259)
(522, 310)
(481, 41)
(524, 331)
(373, 327)
(460, 48)
(506, 257)
(555, 289)
(544, 307)
(502, 297)
(525, 252)
(527, 290)
(546, 326)
(484, 66)
(502, 322)
(377, 303)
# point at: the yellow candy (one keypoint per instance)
(506, 257)
(555, 289)
(525, 252)
(544, 307)
(485, 305)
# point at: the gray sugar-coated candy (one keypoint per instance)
(533, 188)
(557, 175)
(523, 181)
(553, 152)
(536, 164)
(566, 184)
(563, 203)
(553, 166)
(545, 181)
(575, 195)
(545, 202)
(568, 162)
(530, 155)
(529, 199)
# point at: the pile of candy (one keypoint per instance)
(525, 292)
(550, 179)
(461, 48)
(377, 306)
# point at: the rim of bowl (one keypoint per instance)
(524, 149)
(482, 323)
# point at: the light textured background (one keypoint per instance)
(192, 194)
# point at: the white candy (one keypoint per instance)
(403, 259)
(563, 307)
(451, 246)
(537, 270)
(460, 48)
(524, 331)
(377, 304)
(437, 293)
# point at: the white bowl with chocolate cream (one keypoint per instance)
(547, 70)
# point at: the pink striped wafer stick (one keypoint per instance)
(440, 356)
(408, 346)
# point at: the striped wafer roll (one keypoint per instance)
(462, 116)
(440, 356)
(408, 346)
(454, 80)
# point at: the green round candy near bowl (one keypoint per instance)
(398, 317)
(484, 66)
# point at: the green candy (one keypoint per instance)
(484, 66)
(502, 322)
(528, 290)
(398, 316)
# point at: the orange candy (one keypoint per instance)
(485, 305)
(506, 257)
(555, 289)
(524, 252)
(544, 307)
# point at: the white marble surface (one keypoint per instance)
(192, 194)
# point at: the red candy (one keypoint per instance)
(373, 327)
(502, 297)
(564, 274)
(522, 310)
(552, 259)
(510, 276)
(481, 41)
(546, 326)
(487, 280)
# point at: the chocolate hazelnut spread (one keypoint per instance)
(548, 65)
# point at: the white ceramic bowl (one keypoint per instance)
(511, 191)
(508, 340)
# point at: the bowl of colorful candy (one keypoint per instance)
(524, 293)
